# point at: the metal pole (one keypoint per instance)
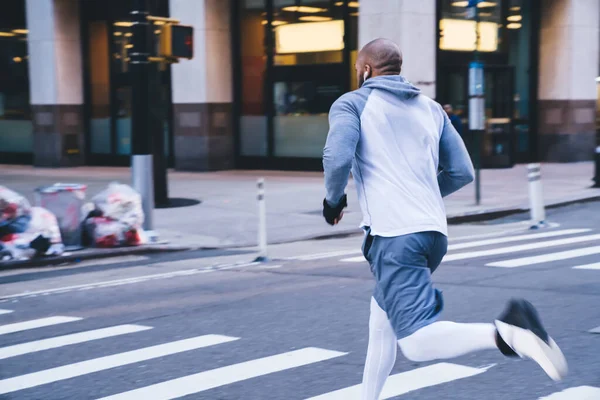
(597, 177)
(536, 197)
(141, 145)
(262, 222)
(476, 103)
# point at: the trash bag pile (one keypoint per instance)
(114, 218)
(26, 231)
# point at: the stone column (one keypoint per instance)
(567, 88)
(56, 85)
(202, 88)
(411, 24)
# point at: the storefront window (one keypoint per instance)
(518, 24)
(309, 33)
(295, 60)
(457, 29)
(109, 43)
(16, 129)
(99, 76)
(253, 119)
(309, 73)
(506, 32)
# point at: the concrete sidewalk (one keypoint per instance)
(227, 215)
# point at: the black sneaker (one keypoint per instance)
(520, 333)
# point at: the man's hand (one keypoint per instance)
(333, 215)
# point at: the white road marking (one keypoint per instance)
(562, 255)
(497, 240)
(5, 311)
(270, 266)
(66, 340)
(409, 381)
(522, 247)
(35, 323)
(520, 227)
(595, 330)
(318, 256)
(116, 360)
(354, 259)
(588, 266)
(128, 281)
(576, 393)
(116, 282)
(202, 381)
(508, 239)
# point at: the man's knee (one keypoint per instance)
(410, 352)
(412, 348)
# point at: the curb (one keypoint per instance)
(91, 254)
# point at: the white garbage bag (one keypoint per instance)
(42, 237)
(121, 203)
(116, 218)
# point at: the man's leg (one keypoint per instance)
(381, 353)
(403, 267)
(444, 339)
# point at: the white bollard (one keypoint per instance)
(262, 222)
(536, 197)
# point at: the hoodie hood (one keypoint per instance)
(396, 84)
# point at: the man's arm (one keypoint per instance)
(340, 148)
(455, 162)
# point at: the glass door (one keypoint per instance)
(294, 59)
(498, 142)
(498, 145)
(108, 42)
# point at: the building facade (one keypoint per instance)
(265, 73)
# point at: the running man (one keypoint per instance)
(393, 139)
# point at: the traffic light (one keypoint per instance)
(177, 41)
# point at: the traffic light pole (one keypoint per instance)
(597, 161)
(476, 104)
(141, 140)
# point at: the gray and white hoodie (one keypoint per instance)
(393, 139)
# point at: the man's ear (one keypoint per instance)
(367, 73)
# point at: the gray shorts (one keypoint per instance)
(402, 267)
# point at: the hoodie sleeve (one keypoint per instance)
(455, 162)
(340, 148)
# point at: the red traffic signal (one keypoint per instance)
(177, 41)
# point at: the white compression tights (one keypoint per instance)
(440, 340)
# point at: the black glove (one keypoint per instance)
(332, 213)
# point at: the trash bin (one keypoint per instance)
(65, 201)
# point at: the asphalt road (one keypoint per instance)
(219, 327)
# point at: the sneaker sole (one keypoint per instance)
(528, 345)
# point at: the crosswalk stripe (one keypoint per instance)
(588, 266)
(409, 381)
(522, 247)
(354, 259)
(562, 255)
(509, 239)
(579, 393)
(202, 381)
(116, 360)
(5, 311)
(75, 338)
(35, 323)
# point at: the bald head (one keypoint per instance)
(379, 57)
